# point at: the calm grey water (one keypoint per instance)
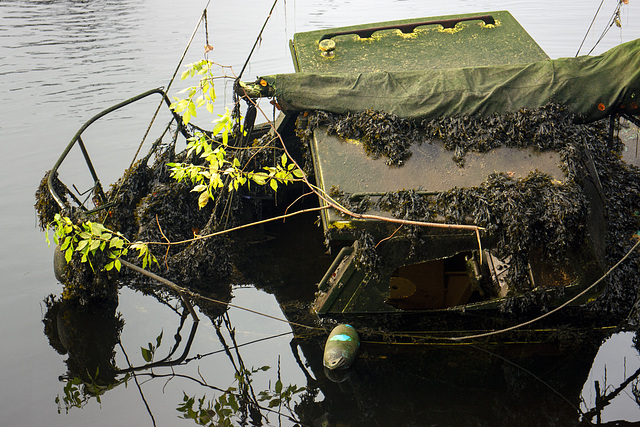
(63, 61)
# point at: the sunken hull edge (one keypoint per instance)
(458, 290)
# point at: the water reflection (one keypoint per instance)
(89, 335)
(488, 383)
(483, 384)
(388, 385)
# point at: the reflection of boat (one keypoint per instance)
(529, 384)
(426, 71)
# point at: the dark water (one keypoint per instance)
(63, 61)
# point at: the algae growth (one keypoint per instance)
(534, 214)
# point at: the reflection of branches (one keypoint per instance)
(135, 378)
(167, 361)
(202, 356)
(605, 399)
(250, 403)
(239, 402)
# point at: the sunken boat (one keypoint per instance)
(460, 167)
(463, 176)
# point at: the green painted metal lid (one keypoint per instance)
(452, 41)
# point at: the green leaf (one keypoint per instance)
(275, 402)
(233, 403)
(95, 244)
(116, 242)
(274, 184)
(203, 199)
(159, 339)
(96, 228)
(65, 244)
(146, 354)
(192, 109)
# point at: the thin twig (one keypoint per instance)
(389, 237)
(229, 230)
(166, 254)
(294, 202)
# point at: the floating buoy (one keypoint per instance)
(341, 347)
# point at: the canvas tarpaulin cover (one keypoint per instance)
(592, 86)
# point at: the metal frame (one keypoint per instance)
(77, 139)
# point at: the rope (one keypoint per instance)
(184, 291)
(195, 295)
(590, 26)
(612, 21)
(273, 6)
(203, 16)
(604, 276)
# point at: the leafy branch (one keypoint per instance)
(86, 238)
(218, 167)
(220, 411)
(205, 91)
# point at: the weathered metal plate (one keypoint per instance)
(430, 169)
(469, 43)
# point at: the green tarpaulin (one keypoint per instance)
(592, 86)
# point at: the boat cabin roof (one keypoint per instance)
(451, 41)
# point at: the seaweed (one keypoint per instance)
(550, 127)
(532, 213)
(382, 134)
(46, 207)
(148, 205)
